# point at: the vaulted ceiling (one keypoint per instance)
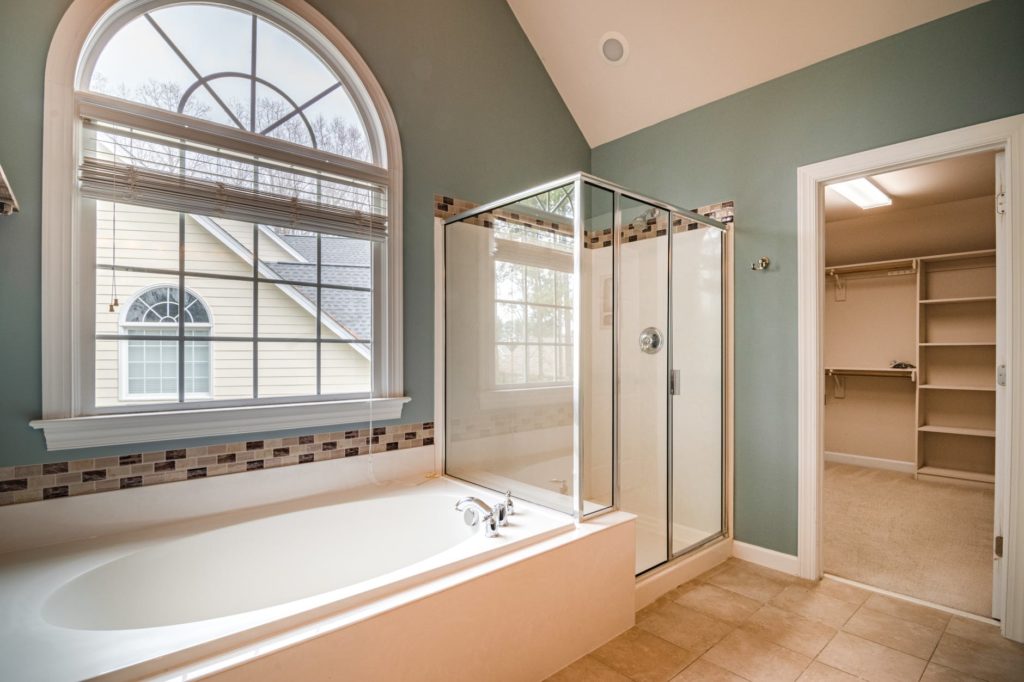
(685, 53)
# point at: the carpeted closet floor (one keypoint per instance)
(927, 540)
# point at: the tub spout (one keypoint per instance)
(475, 511)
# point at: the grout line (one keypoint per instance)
(915, 600)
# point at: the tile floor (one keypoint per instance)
(740, 622)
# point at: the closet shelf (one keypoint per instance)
(965, 299)
(958, 431)
(910, 373)
(956, 473)
(893, 265)
(949, 387)
(958, 343)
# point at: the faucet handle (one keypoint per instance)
(510, 507)
(500, 512)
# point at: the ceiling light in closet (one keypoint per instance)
(862, 192)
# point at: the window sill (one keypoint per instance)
(152, 427)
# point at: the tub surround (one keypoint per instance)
(35, 482)
(92, 646)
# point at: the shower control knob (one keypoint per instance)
(650, 340)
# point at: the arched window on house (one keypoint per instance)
(150, 368)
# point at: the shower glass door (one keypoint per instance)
(670, 379)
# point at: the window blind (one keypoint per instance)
(134, 166)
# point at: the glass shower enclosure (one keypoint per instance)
(585, 358)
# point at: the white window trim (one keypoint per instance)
(67, 275)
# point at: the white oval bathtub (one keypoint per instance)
(259, 563)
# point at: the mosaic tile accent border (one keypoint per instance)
(33, 482)
(445, 207)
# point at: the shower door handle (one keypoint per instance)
(650, 340)
(673, 383)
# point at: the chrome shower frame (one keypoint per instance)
(579, 181)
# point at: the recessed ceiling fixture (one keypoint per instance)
(862, 192)
(614, 48)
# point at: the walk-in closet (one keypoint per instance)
(910, 333)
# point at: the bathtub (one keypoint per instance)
(204, 596)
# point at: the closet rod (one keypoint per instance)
(908, 373)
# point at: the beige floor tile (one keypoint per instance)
(718, 603)
(644, 657)
(749, 582)
(940, 673)
(922, 615)
(991, 662)
(869, 660)
(895, 633)
(756, 659)
(815, 605)
(842, 591)
(982, 633)
(683, 627)
(819, 672)
(587, 669)
(793, 631)
(705, 671)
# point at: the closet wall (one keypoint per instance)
(914, 286)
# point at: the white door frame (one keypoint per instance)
(1003, 134)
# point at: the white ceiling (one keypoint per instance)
(686, 53)
(962, 177)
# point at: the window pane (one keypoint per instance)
(289, 254)
(228, 303)
(510, 364)
(230, 370)
(286, 311)
(217, 246)
(345, 368)
(510, 322)
(214, 38)
(542, 285)
(541, 324)
(287, 369)
(135, 236)
(151, 369)
(197, 368)
(509, 284)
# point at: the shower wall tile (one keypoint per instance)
(107, 474)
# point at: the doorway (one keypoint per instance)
(909, 316)
(933, 460)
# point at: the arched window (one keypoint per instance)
(150, 369)
(241, 150)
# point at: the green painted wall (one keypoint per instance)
(479, 119)
(964, 69)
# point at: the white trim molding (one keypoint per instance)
(152, 427)
(769, 558)
(1005, 134)
(68, 268)
(871, 462)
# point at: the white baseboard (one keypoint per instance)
(769, 558)
(871, 462)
